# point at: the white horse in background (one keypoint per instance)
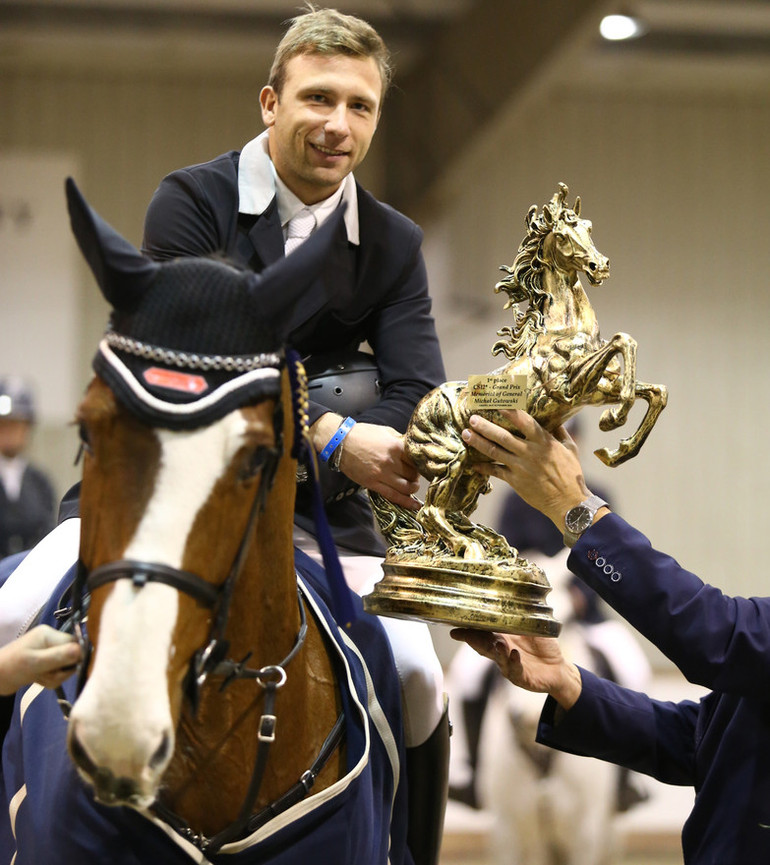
(552, 808)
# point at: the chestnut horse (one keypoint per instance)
(221, 701)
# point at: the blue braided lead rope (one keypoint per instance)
(342, 601)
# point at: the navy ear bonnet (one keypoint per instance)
(192, 339)
(194, 349)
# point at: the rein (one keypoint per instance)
(271, 678)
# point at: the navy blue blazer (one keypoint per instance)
(28, 518)
(380, 296)
(719, 745)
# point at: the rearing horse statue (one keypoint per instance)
(555, 342)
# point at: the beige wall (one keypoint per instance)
(676, 183)
(125, 130)
(677, 186)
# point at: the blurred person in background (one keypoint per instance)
(27, 501)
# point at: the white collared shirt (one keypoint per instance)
(11, 474)
(258, 184)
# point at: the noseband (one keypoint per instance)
(141, 573)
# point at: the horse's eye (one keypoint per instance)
(254, 462)
(85, 442)
(85, 437)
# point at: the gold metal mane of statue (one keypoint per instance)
(441, 566)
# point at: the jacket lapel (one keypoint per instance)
(260, 239)
(260, 243)
(335, 285)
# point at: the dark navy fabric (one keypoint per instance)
(380, 298)
(58, 823)
(381, 287)
(719, 745)
(29, 517)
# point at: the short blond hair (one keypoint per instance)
(328, 31)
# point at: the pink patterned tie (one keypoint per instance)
(301, 226)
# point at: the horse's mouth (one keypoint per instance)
(112, 791)
(597, 277)
(116, 792)
(108, 789)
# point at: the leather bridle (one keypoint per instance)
(218, 598)
(212, 658)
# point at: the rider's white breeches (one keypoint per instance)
(418, 666)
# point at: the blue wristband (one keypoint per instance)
(344, 428)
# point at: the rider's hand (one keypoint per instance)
(544, 469)
(42, 655)
(533, 663)
(374, 457)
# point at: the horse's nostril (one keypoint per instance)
(79, 754)
(162, 753)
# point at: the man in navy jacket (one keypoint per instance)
(26, 494)
(321, 107)
(720, 745)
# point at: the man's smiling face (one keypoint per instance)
(321, 126)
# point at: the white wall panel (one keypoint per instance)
(38, 286)
(122, 132)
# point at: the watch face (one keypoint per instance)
(578, 519)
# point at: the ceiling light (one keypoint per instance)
(618, 27)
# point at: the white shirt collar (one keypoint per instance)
(289, 205)
(11, 474)
(258, 184)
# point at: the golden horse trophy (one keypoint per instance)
(442, 567)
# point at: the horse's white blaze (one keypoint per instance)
(124, 713)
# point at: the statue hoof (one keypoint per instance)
(606, 456)
(612, 418)
(618, 456)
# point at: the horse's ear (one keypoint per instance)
(122, 272)
(548, 216)
(531, 217)
(576, 208)
(284, 284)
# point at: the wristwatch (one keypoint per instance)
(579, 518)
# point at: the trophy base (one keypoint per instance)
(508, 597)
